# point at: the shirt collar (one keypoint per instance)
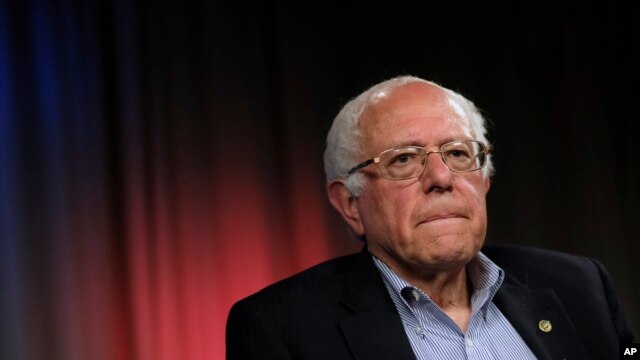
(486, 278)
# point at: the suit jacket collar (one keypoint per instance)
(525, 308)
(375, 330)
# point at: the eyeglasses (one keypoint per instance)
(409, 161)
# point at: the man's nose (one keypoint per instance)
(436, 174)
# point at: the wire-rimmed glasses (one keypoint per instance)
(409, 161)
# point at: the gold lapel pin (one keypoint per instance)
(545, 326)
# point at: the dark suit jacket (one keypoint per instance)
(341, 310)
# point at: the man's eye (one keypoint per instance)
(457, 153)
(403, 159)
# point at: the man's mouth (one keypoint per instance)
(443, 217)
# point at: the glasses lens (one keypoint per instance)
(403, 163)
(467, 155)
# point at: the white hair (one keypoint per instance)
(344, 150)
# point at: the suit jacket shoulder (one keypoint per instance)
(339, 309)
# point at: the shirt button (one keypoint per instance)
(469, 342)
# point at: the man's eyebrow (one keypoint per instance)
(413, 142)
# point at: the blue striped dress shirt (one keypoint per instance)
(433, 335)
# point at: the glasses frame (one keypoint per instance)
(488, 149)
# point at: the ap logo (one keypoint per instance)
(630, 351)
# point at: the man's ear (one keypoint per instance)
(346, 204)
(487, 184)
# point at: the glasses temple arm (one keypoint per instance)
(360, 166)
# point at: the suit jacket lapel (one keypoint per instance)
(525, 308)
(375, 330)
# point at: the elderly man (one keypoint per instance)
(408, 168)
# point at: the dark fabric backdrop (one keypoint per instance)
(159, 162)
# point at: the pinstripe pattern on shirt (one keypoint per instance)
(433, 335)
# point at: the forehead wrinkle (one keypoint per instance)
(417, 142)
(458, 129)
